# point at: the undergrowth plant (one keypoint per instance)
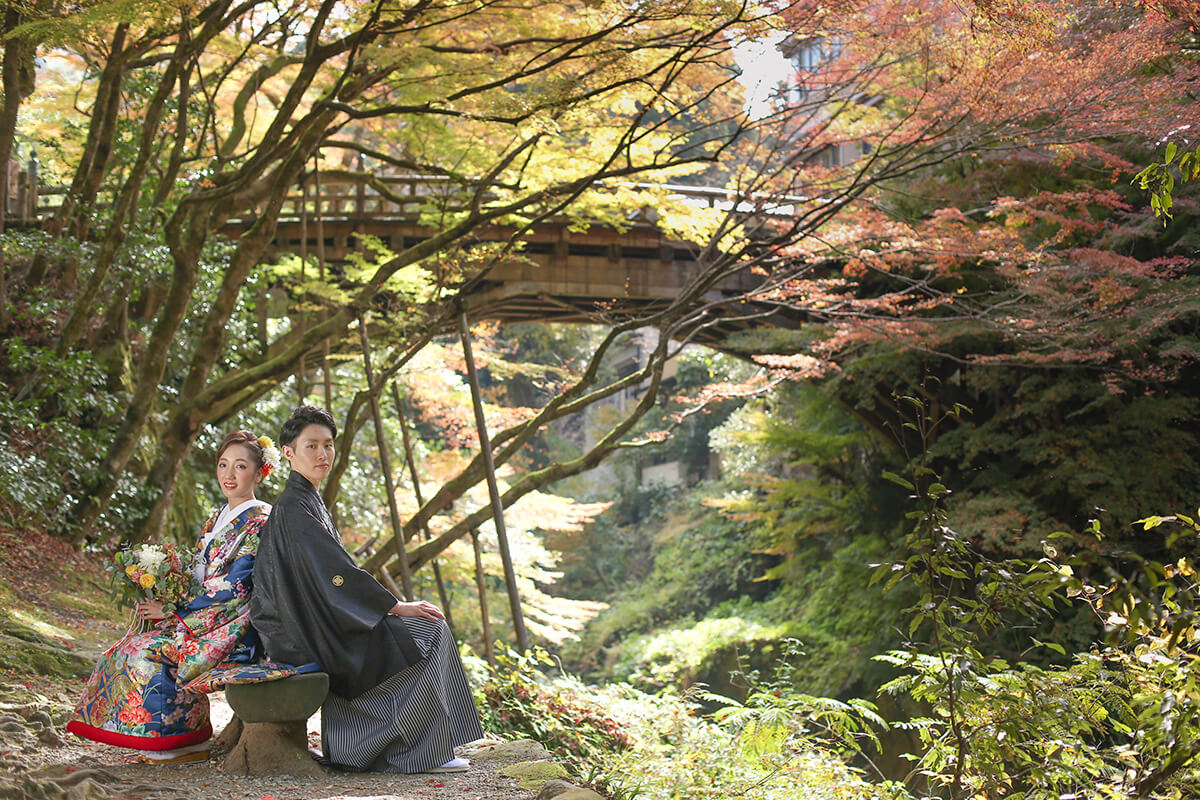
(519, 701)
(1121, 719)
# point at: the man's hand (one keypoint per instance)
(417, 608)
(150, 609)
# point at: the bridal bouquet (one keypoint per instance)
(155, 572)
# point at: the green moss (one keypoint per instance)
(27, 622)
(23, 650)
(94, 605)
(531, 775)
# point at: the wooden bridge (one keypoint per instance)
(559, 276)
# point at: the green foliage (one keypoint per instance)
(1056, 447)
(1159, 178)
(776, 719)
(797, 521)
(629, 744)
(44, 449)
(682, 654)
(518, 701)
(1119, 720)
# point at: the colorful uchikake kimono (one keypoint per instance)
(142, 693)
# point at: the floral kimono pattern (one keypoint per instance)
(138, 695)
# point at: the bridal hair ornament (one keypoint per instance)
(270, 456)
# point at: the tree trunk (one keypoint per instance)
(485, 447)
(14, 49)
(125, 207)
(416, 482)
(385, 462)
(99, 143)
(185, 251)
(489, 649)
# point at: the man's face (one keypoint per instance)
(312, 453)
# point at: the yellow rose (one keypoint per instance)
(147, 581)
(132, 568)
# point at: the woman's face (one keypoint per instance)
(237, 473)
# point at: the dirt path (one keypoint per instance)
(41, 762)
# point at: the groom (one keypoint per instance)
(399, 700)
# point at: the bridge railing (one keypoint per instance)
(337, 196)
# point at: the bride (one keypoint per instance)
(135, 697)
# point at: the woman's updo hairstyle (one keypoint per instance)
(247, 440)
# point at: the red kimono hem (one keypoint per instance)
(139, 742)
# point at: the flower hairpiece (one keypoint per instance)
(270, 456)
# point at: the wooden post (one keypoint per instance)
(386, 463)
(33, 185)
(416, 482)
(22, 193)
(489, 649)
(489, 467)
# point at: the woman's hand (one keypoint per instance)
(417, 608)
(150, 609)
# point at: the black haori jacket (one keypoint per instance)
(311, 602)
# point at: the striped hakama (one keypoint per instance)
(413, 720)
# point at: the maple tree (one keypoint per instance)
(1023, 246)
(234, 100)
(545, 115)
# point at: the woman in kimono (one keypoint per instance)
(398, 699)
(136, 696)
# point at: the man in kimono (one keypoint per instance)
(398, 700)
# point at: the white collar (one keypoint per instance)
(228, 514)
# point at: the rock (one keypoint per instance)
(554, 788)
(95, 775)
(576, 793)
(519, 750)
(49, 737)
(41, 718)
(31, 788)
(533, 775)
(272, 748)
(16, 737)
(293, 699)
(229, 735)
(87, 789)
(272, 738)
(42, 658)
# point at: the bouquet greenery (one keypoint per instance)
(154, 572)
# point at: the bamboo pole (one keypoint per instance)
(489, 467)
(386, 463)
(489, 649)
(416, 482)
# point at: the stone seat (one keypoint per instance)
(273, 738)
